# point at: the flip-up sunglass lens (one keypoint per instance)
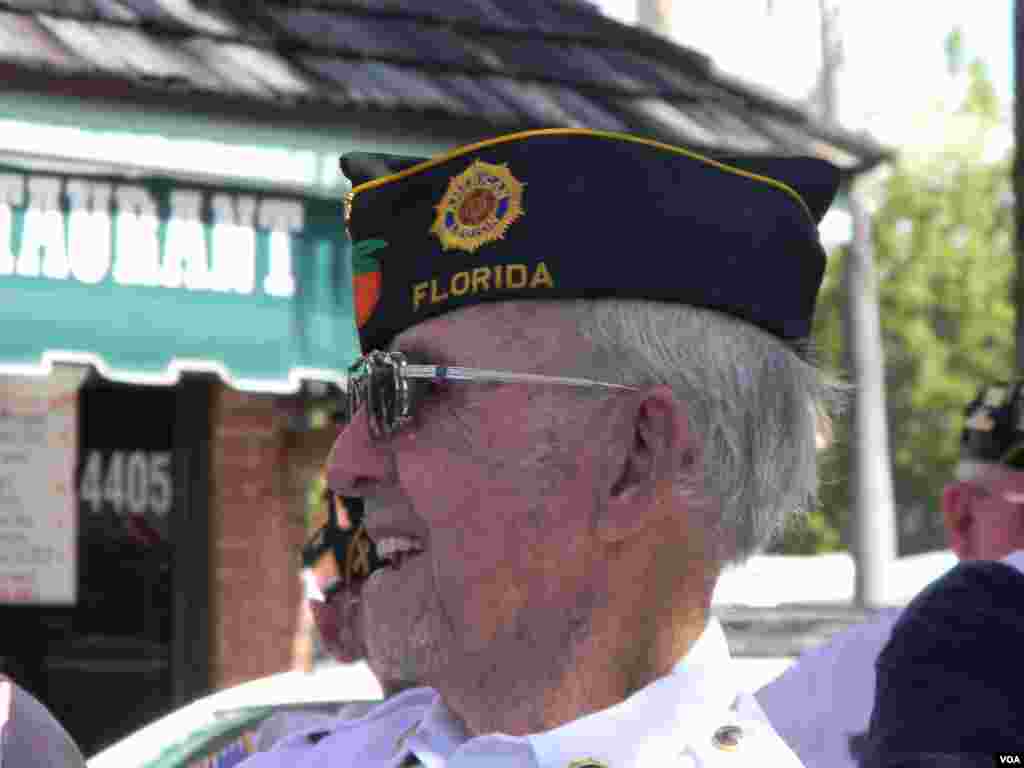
(376, 383)
(383, 391)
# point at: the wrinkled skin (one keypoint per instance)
(539, 512)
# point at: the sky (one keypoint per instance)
(895, 58)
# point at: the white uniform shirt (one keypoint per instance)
(827, 695)
(694, 717)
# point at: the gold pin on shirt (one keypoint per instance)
(728, 738)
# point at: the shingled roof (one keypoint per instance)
(503, 64)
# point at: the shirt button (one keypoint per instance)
(728, 737)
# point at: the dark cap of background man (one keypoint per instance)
(580, 214)
(993, 428)
(31, 737)
(950, 677)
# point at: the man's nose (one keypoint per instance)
(357, 462)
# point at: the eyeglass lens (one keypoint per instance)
(377, 382)
(382, 393)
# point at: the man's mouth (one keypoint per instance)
(394, 551)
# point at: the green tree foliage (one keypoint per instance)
(942, 234)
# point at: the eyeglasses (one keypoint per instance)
(391, 388)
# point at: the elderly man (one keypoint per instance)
(826, 697)
(950, 677)
(585, 392)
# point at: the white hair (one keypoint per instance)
(762, 407)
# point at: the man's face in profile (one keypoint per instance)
(984, 514)
(495, 486)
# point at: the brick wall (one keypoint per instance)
(259, 478)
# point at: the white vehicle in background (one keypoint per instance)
(221, 729)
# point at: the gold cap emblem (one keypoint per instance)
(478, 207)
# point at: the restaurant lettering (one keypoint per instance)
(71, 229)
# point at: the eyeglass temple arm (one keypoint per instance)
(457, 373)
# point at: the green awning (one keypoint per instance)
(146, 278)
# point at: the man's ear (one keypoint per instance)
(659, 447)
(958, 519)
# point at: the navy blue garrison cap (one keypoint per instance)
(994, 425)
(574, 213)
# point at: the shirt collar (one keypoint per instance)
(656, 721)
(438, 735)
(1015, 559)
(667, 713)
(411, 697)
